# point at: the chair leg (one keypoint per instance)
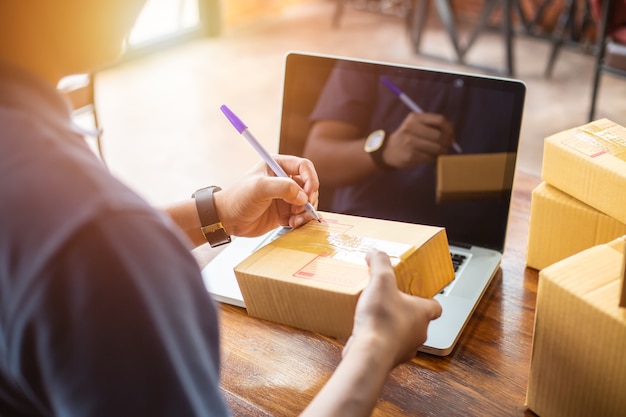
(417, 25)
(507, 33)
(480, 26)
(444, 8)
(417, 22)
(594, 95)
(530, 23)
(566, 19)
(600, 46)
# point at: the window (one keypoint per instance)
(164, 22)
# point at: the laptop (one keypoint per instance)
(486, 113)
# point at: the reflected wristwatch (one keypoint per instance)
(374, 146)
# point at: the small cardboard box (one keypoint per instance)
(589, 163)
(311, 277)
(474, 176)
(561, 226)
(578, 364)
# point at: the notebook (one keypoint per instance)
(467, 191)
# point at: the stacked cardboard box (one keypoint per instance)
(584, 201)
(311, 277)
(578, 365)
(561, 226)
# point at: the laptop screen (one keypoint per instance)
(331, 105)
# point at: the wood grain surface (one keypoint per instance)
(274, 370)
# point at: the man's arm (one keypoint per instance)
(257, 203)
(120, 313)
(338, 152)
(389, 327)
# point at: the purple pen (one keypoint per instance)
(411, 104)
(274, 166)
(401, 95)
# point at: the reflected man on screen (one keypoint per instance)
(398, 183)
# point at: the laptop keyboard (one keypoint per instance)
(457, 260)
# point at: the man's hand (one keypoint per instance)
(261, 201)
(388, 320)
(389, 326)
(420, 138)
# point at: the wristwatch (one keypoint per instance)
(374, 145)
(211, 226)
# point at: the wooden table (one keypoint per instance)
(274, 370)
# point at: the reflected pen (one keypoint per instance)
(271, 162)
(411, 104)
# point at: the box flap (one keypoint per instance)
(604, 263)
(589, 163)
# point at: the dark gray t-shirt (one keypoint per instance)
(102, 307)
(482, 121)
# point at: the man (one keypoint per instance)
(393, 150)
(102, 307)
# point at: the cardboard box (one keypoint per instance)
(589, 163)
(311, 277)
(578, 364)
(474, 176)
(561, 226)
(622, 300)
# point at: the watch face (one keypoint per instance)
(374, 140)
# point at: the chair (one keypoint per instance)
(446, 14)
(567, 25)
(506, 27)
(418, 20)
(610, 52)
(80, 90)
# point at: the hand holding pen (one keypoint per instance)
(411, 104)
(274, 166)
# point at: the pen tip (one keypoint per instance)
(232, 117)
(390, 85)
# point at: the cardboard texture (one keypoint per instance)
(578, 364)
(622, 300)
(474, 176)
(589, 163)
(311, 277)
(561, 226)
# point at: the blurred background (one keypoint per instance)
(163, 132)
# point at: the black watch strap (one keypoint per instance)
(212, 227)
(377, 156)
